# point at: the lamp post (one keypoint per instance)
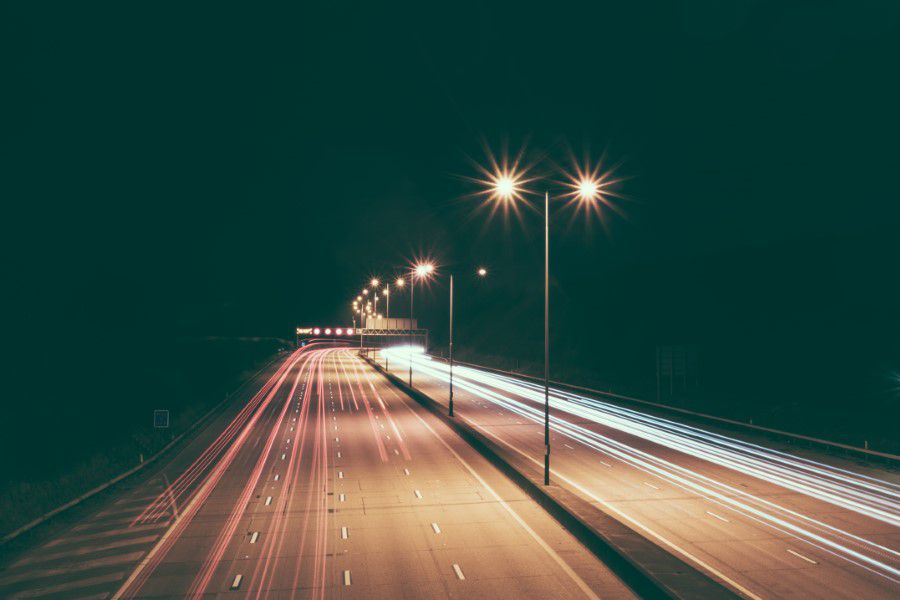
(506, 185)
(362, 318)
(450, 353)
(374, 283)
(481, 272)
(399, 284)
(547, 338)
(420, 271)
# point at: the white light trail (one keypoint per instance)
(864, 495)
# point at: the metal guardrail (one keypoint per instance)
(827, 444)
(93, 492)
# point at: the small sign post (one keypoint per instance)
(161, 419)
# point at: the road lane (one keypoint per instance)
(91, 551)
(765, 523)
(373, 498)
(325, 483)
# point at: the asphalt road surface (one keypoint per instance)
(322, 481)
(766, 522)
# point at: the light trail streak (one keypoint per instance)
(151, 561)
(275, 541)
(864, 495)
(184, 483)
(204, 576)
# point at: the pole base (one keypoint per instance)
(547, 469)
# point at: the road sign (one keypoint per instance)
(160, 419)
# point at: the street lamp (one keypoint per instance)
(422, 270)
(374, 283)
(507, 185)
(481, 272)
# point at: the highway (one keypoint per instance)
(321, 481)
(763, 521)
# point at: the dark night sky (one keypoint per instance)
(218, 170)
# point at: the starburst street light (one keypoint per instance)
(420, 270)
(374, 282)
(588, 189)
(505, 182)
(481, 271)
(400, 282)
(423, 270)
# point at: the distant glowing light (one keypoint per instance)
(505, 187)
(359, 298)
(317, 331)
(593, 189)
(328, 331)
(424, 270)
(339, 331)
(374, 282)
(365, 292)
(588, 189)
(349, 331)
(481, 271)
(401, 282)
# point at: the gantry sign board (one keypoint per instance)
(383, 324)
(373, 326)
(326, 331)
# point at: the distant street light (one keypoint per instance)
(481, 273)
(420, 271)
